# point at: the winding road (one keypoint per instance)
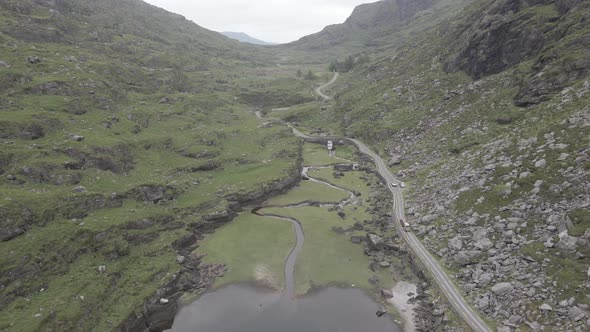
(444, 282)
(318, 90)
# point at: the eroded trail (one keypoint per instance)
(289, 290)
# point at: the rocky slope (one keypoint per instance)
(486, 116)
(375, 25)
(124, 131)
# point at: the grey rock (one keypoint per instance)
(576, 314)
(102, 269)
(485, 279)
(356, 239)
(79, 189)
(483, 303)
(374, 240)
(456, 243)
(563, 157)
(166, 100)
(33, 59)
(539, 183)
(384, 264)
(484, 244)
(396, 159)
(10, 177)
(549, 243)
(545, 307)
(567, 242)
(560, 146)
(4, 64)
(533, 325)
(466, 257)
(77, 138)
(429, 218)
(502, 288)
(541, 163)
(180, 259)
(515, 319)
(386, 294)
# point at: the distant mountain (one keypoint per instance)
(245, 38)
(377, 24)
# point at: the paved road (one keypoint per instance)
(318, 90)
(440, 277)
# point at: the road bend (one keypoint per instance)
(319, 92)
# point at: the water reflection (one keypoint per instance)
(247, 309)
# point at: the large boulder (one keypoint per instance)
(466, 257)
(545, 307)
(374, 241)
(541, 163)
(567, 242)
(429, 218)
(456, 243)
(484, 244)
(576, 314)
(502, 288)
(396, 159)
(485, 279)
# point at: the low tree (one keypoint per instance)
(299, 73)
(310, 76)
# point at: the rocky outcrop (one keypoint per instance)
(50, 174)
(19, 217)
(512, 31)
(154, 193)
(51, 88)
(160, 309)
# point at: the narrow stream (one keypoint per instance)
(245, 308)
(289, 291)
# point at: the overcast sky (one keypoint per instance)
(277, 21)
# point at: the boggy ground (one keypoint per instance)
(336, 251)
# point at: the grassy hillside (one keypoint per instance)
(486, 117)
(126, 133)
(374, 26)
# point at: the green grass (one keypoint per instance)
(351, 181)
(317, 155)
(69, 292)
(310, 191)
(327, 258)
(249, 243)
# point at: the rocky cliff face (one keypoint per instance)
(486, 118)
(512, 32)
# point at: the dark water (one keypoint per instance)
(247, 309)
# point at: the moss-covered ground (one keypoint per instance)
(328, 257)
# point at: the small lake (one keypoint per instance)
(249, 309)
